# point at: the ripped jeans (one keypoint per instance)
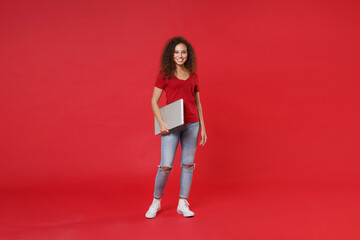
(188, 135)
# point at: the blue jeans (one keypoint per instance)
(188, 135)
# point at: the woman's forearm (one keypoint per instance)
(156, 110)
(201, 117)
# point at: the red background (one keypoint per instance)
(279, 90)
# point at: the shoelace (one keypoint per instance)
(154, 205)
(187, 204)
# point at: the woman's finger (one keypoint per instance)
(204, 140)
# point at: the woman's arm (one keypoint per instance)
(155, 107)
(201, 117)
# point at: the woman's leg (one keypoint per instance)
(169, 144)
(188, 139)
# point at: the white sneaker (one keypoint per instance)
(153, 209)
(183, 208)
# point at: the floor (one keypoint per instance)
(243, 210)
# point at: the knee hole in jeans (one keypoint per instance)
(188, 165)
(166, 168)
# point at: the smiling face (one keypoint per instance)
(180, 54)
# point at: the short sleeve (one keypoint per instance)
(160, 82)
(197, 87)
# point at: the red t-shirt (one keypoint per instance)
(176, 89)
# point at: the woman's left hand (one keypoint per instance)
(203, 137)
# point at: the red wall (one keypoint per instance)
(279, 89)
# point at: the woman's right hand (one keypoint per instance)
(163, 128)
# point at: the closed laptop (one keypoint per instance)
(172, 114)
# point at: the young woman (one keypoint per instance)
(179, 80)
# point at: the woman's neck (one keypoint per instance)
(181, 69)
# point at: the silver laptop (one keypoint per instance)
(172, 114)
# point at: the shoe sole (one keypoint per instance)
(180, 212)
(150, 217)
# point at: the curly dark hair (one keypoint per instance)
(168, 66)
